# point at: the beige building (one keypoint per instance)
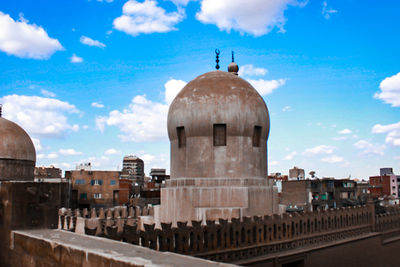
(218, 126)
(94, 188)
(296, 173)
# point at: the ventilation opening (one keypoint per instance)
(181, 136)
(219, 134)
(257, 136)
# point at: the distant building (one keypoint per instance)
(333, 193)
(386, 171)
(296, 174)
(296, 194)
(133, 169)
(94, 188)
(384, 186)
(50, 172)
(158, 175)
(87, 166)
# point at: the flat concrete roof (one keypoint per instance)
(117, 250)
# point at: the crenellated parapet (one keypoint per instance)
(225, 240)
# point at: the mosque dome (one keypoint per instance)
(218, 126)
(17, 152)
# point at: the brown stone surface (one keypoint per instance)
(17, 153)
(60, 248)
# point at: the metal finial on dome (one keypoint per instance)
(217, 52)
(233, 67)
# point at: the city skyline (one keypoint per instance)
(93, 80)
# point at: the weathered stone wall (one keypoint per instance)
(14, 169)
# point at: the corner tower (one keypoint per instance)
(218, 126)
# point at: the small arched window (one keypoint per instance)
(181, 136)
(257, 136)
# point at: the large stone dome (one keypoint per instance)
(218, 101)
(17, 152)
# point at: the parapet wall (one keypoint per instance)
(231, 241)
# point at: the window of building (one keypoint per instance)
(181, 136)
(219, 134)
(97, 196)
(113, 182)
(96, 182)
(80, 181)
(83, 196)
(257, 136)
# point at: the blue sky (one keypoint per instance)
(92, 80)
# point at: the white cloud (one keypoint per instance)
(319, 150)
(21, 39)
(368, 148)
(108, 1)
(37, 144)
(142, 121)
(332, 159)
(180, 2)
(146, 17)
(76, 59)
(39, 115)
(266, 87)
(69, 152)
(47, 93)
(290, 156)
(250, 70)
(256, 17)
(327, 12)
(112, 151)
(390, 90)
(172, 88)
(52, 156)
(286, 108)
(89, 41)
(392, 130)
(345, 131)
(97, 105)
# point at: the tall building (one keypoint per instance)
(296, 174)
(133, 169)
(384, 185)
(218, 126)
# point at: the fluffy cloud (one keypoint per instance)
(146, 17)
(392, 130)
(332, 159)
(172, 88)
(319, 150)
(250, 70)
(256, 17)
(390, 90)
(180, 2)
(368, 148)
(89, 41)
(345, 131)
(69, 152)
(75, 59)
(273, 163)
(290, 156)
(37, 144)
(97, 105)
(47, 93)
(265, 87)
(112, 151)
(286, 108)
(39, 115)
(52, 156)
(142, 121)
(21, 39)
(327, 12)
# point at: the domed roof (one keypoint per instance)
(218, 97)
(15, 143)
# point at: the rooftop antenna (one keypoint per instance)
(217, 52)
